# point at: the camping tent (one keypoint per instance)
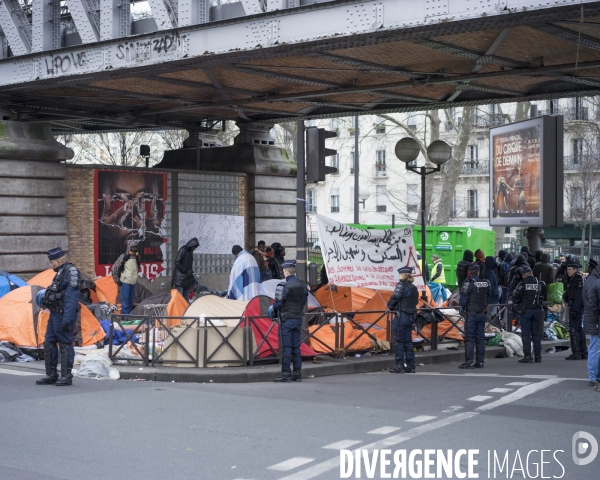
(24, 324)
(214, 306)
(176, 304)
(9, 282)
(269, 287)
(43, 279)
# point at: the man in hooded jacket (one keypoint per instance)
(543, 270)
(462, 267)
(489, 274)
(183, 273)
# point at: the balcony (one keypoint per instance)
(576, 114)
(481, 167)
(381, 208)
(380, 170)
(412, 208)
(472, 213)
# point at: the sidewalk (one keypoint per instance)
(322, 366)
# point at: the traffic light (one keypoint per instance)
(316, 153)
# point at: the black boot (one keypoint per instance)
(409, 369)
(526, 359)
(575, 352)
(398, 369)
(538, 358)
(284, 377)
(66, 378)
(574, 356)
(51, 373)
(478, 364)
(297, 375)
(467, 365)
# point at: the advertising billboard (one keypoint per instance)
(130, 205)
(526, 165)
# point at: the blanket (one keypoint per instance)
(244, 279)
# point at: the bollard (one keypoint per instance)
(313, 274)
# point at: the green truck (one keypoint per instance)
(449, 243)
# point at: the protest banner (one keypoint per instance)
(366, 258)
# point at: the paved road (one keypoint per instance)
(147, 430)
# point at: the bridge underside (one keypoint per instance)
(529, 55)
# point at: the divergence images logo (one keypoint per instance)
(584, 444)
(444, 236)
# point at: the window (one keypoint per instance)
(380, 162)
(311, 201)
(453, 211)
(379, 125)
(381, 194)
(577, 151)
(335, 200)
(472, 160)
(335, 124)
(553, 107)
(579, 111)
(335, 162)
(412, 198)
(472, 207)
(576, 201)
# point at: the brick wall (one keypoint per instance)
(80, 217)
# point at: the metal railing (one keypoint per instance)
(477, 167)
(472, 213)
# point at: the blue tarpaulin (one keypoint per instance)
(438, 292)
(9, 282)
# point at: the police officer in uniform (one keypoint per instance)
(62, 299)
(474, 296)
(404, 303)
(290, 302)
(573, 297)
(527, 298)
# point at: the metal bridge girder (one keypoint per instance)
(84, 16)
(165, 13)
(252, 7)
(16, 26)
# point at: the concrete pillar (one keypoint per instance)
(271, 184)
(33, 206)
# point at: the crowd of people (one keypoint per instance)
(486, 283)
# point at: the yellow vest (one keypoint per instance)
(442, 277)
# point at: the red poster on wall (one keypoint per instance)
(130, 205)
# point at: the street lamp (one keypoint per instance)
(364, 196)
(439, 152)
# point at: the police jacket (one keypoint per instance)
(404, 299)
(528, 293)
(183, 273)
(574, 293)
(62, 297)
(290, 298)
(474, 295)
(591, 303)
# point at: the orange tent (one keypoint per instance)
(107, 290)
(43, 279)
(24, 324)
(177, 305)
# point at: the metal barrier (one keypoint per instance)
(208, 359)
(167, 342)
(141, 328)
(384, 315)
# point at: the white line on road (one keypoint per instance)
(15, 372)
(519, 384)
(500, 390)
(479, 398)
(383, 430)
(421, 419)
(334, 463)
(520, 393)
(290, 464)
(342, 444)
(452, 409)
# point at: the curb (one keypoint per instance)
(328, 367)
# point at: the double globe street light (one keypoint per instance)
(439, 152)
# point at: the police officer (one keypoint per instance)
(573, 297)
(290, 301)
(473, 301)
(404, 303)
(62, 299)
(527, 298)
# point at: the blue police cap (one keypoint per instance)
(405, 270)
(55, 253)
(289, 264)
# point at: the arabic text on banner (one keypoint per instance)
(366, 258)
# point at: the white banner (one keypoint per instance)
(366, 258)
(216, 233)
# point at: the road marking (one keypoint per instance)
(15, 372)
(452, 409)
(519, 384)
(479, 398)
(342, 444)
(383, 430)
(421, 419)
(334, 463)
(500, 390)
(481, 374)
(290, 464)
(520, 393)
